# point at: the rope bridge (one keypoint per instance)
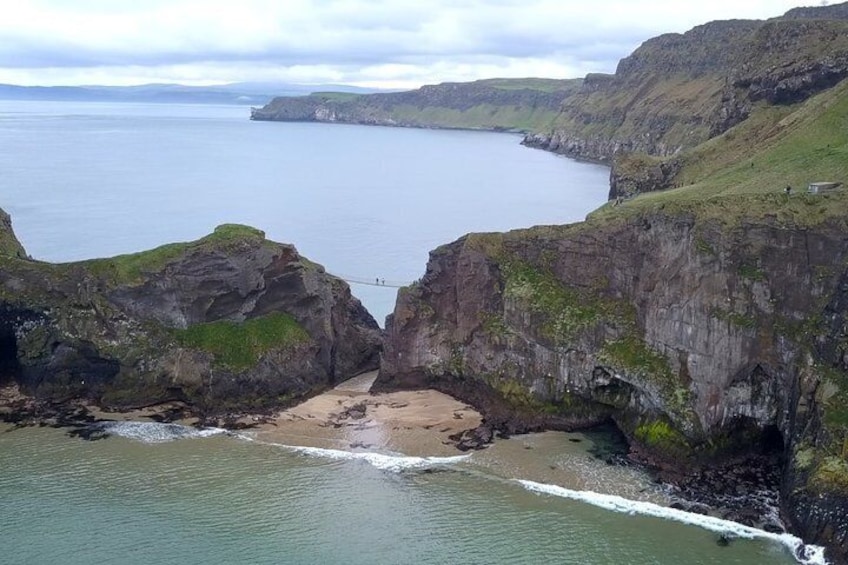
(376, 281)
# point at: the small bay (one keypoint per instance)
(89, 180)
(84, 180)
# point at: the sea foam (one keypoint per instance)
(382, 461)
(395, 463)
(806, 554)
(155, 432)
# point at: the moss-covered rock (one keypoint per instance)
(9, 244)
(230, 321)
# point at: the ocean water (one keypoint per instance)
(89, 180)
(84, 180)
(215, 498)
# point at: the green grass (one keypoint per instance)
(830, 474)
(742, 174)
(336, 96)
(132, 267)
(541, 84)
(662, 436)
(481, 116)
(9, 245)
(239, 346)
(564, 310)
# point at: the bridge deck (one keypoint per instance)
(373, 282)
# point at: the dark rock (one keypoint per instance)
(121, 332)
(477, 438)
(737, 395)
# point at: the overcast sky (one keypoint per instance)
(382, 43)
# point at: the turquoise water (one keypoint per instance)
(88, 180)
(226, 500)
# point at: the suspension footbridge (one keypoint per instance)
(376, 281)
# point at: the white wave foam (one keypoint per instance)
(382, 461)
(806, 554)
(395, 463)
(155, 432)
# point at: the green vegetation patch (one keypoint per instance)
(742, 321)
(831, 474)
(741, 175)
(541, 84)
(336, 96)
(566, 311)
(239, 346)
(486, 116)
(751, 272)
(661, 436)
(632, 355)
(130, 268)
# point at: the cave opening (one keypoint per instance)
(9, 366)
(771, 441)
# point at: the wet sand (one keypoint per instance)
(348, 417)
(418, 423)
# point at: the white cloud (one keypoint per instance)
(379, 42)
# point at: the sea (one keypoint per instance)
(85, 180)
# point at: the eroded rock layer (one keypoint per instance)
(232, 321)
(702, 339)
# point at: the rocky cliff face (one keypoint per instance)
(495, 104)
(678, 90)
(701, 339)
(229, 322)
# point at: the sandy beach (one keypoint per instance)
(348, 417)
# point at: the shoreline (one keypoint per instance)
(430, 423)
(349, 417)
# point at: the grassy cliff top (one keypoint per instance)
(522, 104)
(743, 173)
(131, 267)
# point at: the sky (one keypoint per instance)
(372, 43)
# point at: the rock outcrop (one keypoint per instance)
(678, 90)
(703, 339)
(227, 323)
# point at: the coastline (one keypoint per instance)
(348, 417)
(409, 425)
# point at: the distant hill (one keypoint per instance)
(679, 90)
(673, 93)
(494, 104)
(247, 93)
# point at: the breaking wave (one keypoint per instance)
(382, 461)
(806, 554)
(395, 463)
(155, 432)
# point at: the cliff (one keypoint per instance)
(679, 90)
(230, 322)
(707, 321)
(700, 339)
(494, 104)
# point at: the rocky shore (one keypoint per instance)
(230, 323)
(689, 336)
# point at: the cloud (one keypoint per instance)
(390, 42)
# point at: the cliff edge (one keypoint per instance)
(230, 322)
(492, 104)
(708, 321)
(676, 91)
